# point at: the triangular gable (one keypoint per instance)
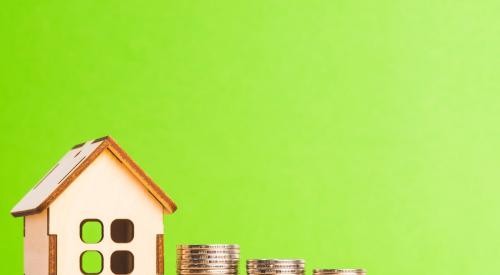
(71, 166)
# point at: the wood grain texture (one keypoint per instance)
(160, 264)
(36, 244)
(52, 254)
(118, 152)
(153, 188)
(93, 195)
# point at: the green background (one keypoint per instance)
(348, 133)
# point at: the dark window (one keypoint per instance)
(122, 231)
(91, 231)
(122, 262)
(91, 262)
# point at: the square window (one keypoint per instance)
(122, 262)
(91, 262)
(122, 231)
(91, 231)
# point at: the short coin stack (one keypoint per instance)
(208, 259)
(343, 271)
(275, 266)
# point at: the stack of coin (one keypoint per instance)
(340, 271)
(208, 259)
(275, 266)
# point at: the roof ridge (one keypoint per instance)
(38, 199)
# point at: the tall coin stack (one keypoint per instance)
(208, 259)
(275, 266)
(344, 271)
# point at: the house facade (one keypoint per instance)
(95, 190)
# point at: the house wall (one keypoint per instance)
(106, 191)
(36, 244)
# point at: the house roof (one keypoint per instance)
(72, 165)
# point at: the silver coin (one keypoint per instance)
(283, 266)
(203, 272)
(210, 265)
(208, 249)
(275, 261)
(317, 270)
(208, 246)
(207, 261)
(195, 252)
(266, 270)
(275, 271)
(208, 256)
(353, 271)
(275, 268)
(278, 271)
(283, 272)
(346, 271)
(206, 267)
(269, 265)
(207, 270)
(270, 270)
(207, 253)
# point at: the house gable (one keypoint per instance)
(72, 165)
(106, 191)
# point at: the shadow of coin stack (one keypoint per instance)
(208, 259)
(275, 267)
(340, 271)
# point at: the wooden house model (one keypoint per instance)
(96, 205)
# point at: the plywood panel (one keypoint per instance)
(50, 182)
(36, 245)
(159, 255)
(52, 254)
(72, 165)
(106, 191)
